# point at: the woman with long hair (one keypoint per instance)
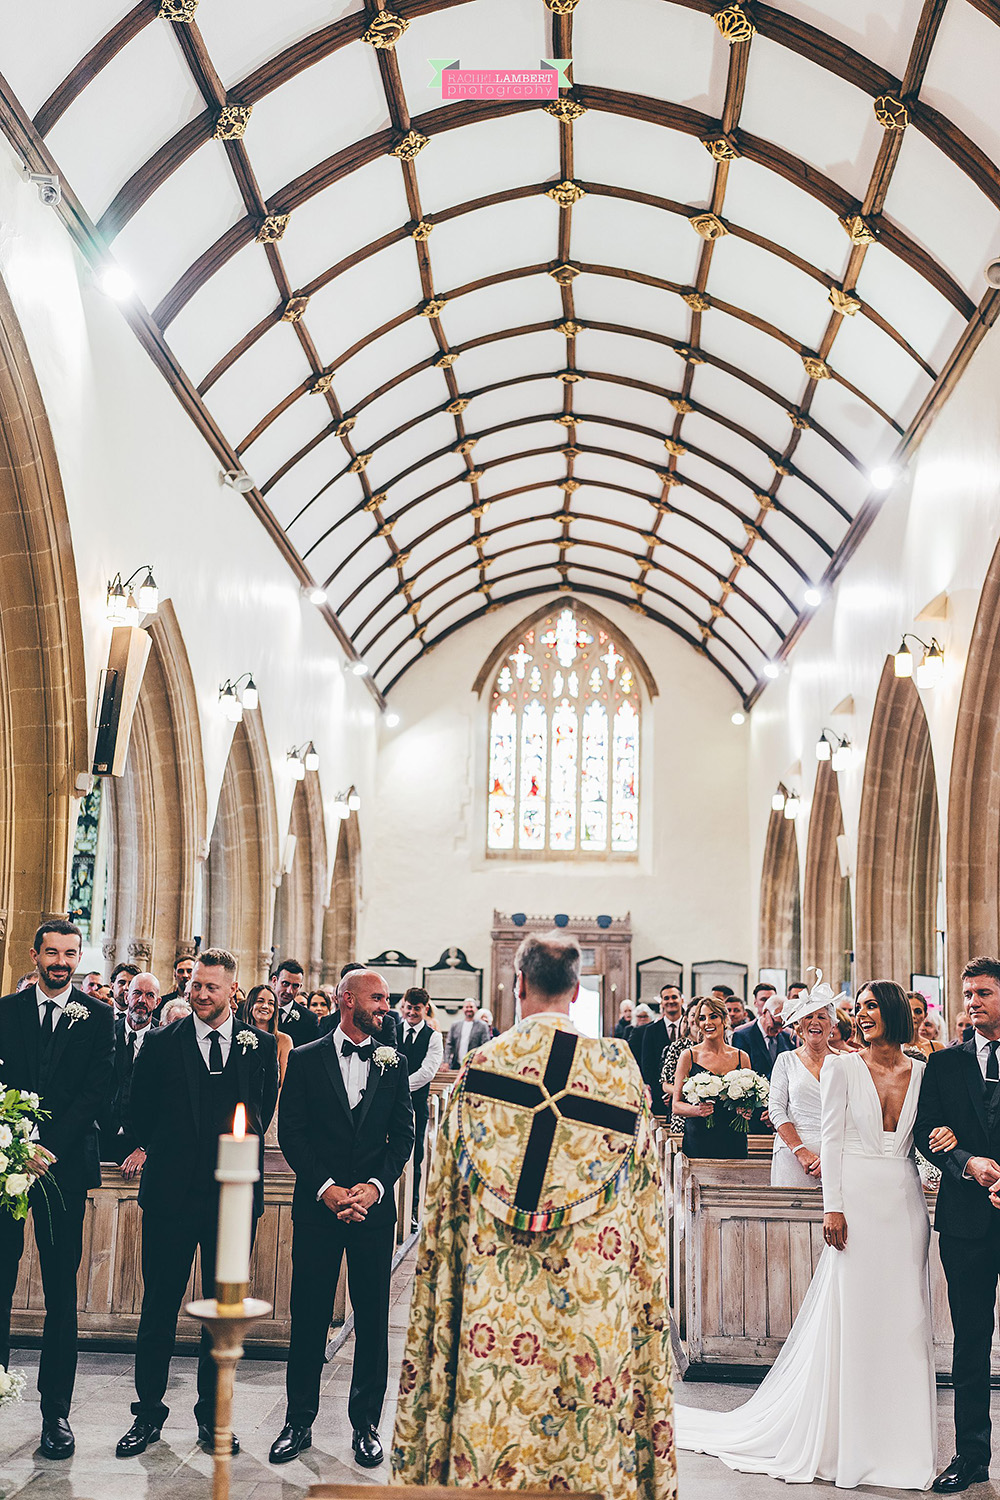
(703, 1135)
(260, 1009)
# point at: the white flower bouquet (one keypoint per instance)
(19, 1114)
(736, 1094)
(12, 1383)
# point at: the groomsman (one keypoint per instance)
(656, 1038)
(423, 1049)
(294, 1018)
(119, 1141)
(57, 1042)
(188, 1079)
(346, 1129)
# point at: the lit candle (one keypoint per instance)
(236, 1172)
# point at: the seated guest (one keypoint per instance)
(319, 1003)
(844, 1038)
(794, 1105)
(623, 1025)
(175, 1011)
(465, 1036)
(288, 982)
(719, 1141)
(660, 1034)
(642, 1017)
(182, 978)
(119, 1141)
(764, 1039)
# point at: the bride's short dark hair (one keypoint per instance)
(897, 1017)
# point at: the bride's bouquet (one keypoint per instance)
(736, 1094)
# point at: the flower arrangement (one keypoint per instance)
(12, 1383)
(736, 1094)
(247, 1041)
(74, 1011)
(385, 1057)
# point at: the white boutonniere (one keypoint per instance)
(76, 1011)
(247, 1041)
(293, 1014)
(385, 1057)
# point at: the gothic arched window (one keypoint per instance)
(564, 741)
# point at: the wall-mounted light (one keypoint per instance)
(360, 668)
(347, 802)
(931, 668)
(778, 800)
(842, 756)
(116, 284)
(738, 718)
(315, 594)
(813, 597)
(792, 804)
(830, 746)
(239, 695)
(126, 604)
(296, 764)
(772, 669)
(883, 477)
(353, 800)
(391, 719)
(238, 480)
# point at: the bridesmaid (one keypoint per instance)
(711, 1055)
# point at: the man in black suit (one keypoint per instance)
(346, 1129)
(122, 976)
(57, 1042)
(961, 1090)
(294, 1018)
(119, 1141)
(423, 1049)
(188, 1079)
(656, 1038)
(764, 1040)
(183, 968)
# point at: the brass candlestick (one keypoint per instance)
(227, 1323)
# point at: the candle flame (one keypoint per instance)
(240, 1123)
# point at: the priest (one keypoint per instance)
(538, 1353)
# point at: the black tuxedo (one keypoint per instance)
(751, 1040)
(954, 1093)
(72, 1075)
(322, 1138)
(179, 1111)
(303, 1028)
(655, 1038)
(118, 1137)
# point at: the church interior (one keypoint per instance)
(432, 516)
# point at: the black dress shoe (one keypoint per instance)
(959, 1474)
(138, 1438)
(206, 1440)
(289, 1443)
(367, 1447)
(57, 1439)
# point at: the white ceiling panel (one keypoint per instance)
(259, 379)
(344, 218)
(943, 210)
(381, 361)
(286, 436)
(243, 34)
(229, 304)
(615, 149)
(775, 209)
(469, 34)
(360, 301)
(633, 304)
(628, 355)
(880, 29)
(520, 232)
(473, 160)
(759, 282)
(961, 78)
(691, 56)
(70, 31)
(505, 359)
(523, 299)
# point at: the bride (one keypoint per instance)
(851, 1397)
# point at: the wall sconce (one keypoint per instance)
(931, 667)
(793, 803)
(346, 803)
(842, 756)
(778, 800)
(234, 701)
(124, 606)
(833, 749)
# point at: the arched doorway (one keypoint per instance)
(899, 840)
(157, 813)
(827, 927)
(238, 882)
(43, 711)
(340, 926)
(780, 899)
(298, 904)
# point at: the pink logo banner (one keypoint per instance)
(457, 82)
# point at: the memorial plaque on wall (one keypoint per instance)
(452, 980)
(713, 971)
(399, 972)
(652, 974)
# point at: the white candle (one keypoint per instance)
(236, 1172)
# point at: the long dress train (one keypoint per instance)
(852, 1396)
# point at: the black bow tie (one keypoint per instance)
(364, 1049)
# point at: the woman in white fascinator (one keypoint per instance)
(794, 1106)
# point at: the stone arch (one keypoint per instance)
(781, 899)
(340, 927)
(43, 709)
(973, 864)
(298, 902)
(899, 839)
(239, 875)
(157, 813)
(826, 908)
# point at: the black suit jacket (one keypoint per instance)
(166, 1114)
(115, 1147)
(654, 1043)
(321, 1139)
(305, 1027)
(750, 1039)
(81, 1063)
(952, 1093)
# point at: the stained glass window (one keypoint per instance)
(82, 881)
(564, 742)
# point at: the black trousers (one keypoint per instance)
(169, 1242)
(58, 1224)
(317, 1249)
(421, 1112)
(972, 1269)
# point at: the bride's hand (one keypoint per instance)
(942, 1139)
(702, 1111)
(835, 1230)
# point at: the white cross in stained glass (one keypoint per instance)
(567, 637)
(520, 658)
(611, 660)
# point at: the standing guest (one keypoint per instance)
(623, 1025)
(183, 968)
(844, 1038)
(486, 1016)
(105, 995)
(929, 1036)
(58, 1043)
(122, 976)
(287, 982)
(795, 993)
(91, 984)
(346, 1129)
(176, 1010)
(764, 1039)
(119, 1141)
(642, 1018)
(962, 1028)
(737, 1013)
(656, 1038)
(762, 993)
(238, 999)
(424, 1053)
(27, 981)
(260, 1009)
(466, 1035)
(188, 1079)
(722, 992)
(319, 1003)
(553, 1295)
(710, 1055)
(794, 1106)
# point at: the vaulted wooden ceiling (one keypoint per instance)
(646, 342)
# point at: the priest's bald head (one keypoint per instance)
(547, 973)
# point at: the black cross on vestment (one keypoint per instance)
(548, 1102)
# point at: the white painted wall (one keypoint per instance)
(936, 533)
(142, 486)
(430, 882)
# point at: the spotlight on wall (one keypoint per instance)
(778, 800)
(931, 668)
(315, 595)
(883, 477)
(772, 669)
(125, 605)
(360, 668)
(239, 695)
(738, 718)
(116, 284)
(238, 480)
(792, 804)
(813, 597)
(391, 719)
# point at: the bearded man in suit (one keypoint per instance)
(294, 1017)
(119, 1141)
(57, 1042)
(466, 1034)
(345, 1127)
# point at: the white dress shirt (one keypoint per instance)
(983, 1052)
(354, 1071)
(57, 1000)
(224, 1032)
(433, 1057)
(464, 1037)
(140, 1037)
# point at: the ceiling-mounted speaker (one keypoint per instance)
(119, 694)
(992, 273)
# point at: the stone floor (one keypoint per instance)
(175, 1469)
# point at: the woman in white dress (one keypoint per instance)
(851, 1397)
(794, 1104)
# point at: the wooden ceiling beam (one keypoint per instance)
(92, 63)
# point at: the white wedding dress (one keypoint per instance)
(851, 1397)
